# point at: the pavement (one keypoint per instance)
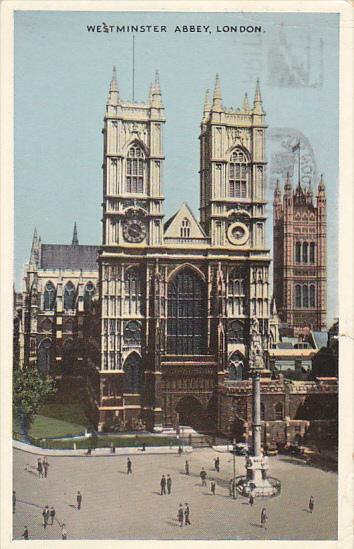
(116, 505)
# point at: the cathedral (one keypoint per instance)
(157, 320)
(177, 296)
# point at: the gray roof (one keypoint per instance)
(69, 257)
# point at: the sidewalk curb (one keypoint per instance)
(100, 452)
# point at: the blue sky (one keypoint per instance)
(62, 73)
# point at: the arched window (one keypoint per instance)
(69, 296)
(49, 297)
(185, 229)
(305, 296)
(312, 296)
(279, 411)
(236, 293)
(262, 412)
(44, 355)
(305, 251)
(235, 367)
(88, 295)
(298, 296)
(298, 252)
(186, 309)
(235, 332)
(312, 252)
(135, 170)
(46, 325)
(132, 291)
(132, 333)
(238, 170)
(133, 370)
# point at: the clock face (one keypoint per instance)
(238, 234)
(134, 230)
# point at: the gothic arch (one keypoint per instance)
(133, 373)
(240, 147)
(44, 355)
(190, 412)
(185, 266)
(136, 142)
(69, 354)
(236, 366)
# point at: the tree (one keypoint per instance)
(31, 389)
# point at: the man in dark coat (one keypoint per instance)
(311, 504)
(40, 468)
(186, 467)
(180, 515)
(45, 467)
(79, 500)
(129, 467)
(25, 533)
(213, 487)
(186, 514)
(203, 476)
(163, 485)
(264, 518)
(169, 484)
(52, 514)
(45, 514)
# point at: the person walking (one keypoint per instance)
(264, 518)
(217, 465)
(186, 467)
(251, 499)
(311, 504)
(180, 451)
(186, 514)
(213, 487)
(64, 534)
(79, 500)
(40, 468)
(45, 514)
(25, 533)
(45, 467)
(169, 484)
(180, 515)
(13, 501)
(203, 476)
(52, 515)
(163, 485)
(129, 467)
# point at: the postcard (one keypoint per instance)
(177, 265)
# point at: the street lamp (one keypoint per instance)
(233, 451)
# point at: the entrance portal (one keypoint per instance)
(191, 413)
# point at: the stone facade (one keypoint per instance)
(177, 298)
(300, 275)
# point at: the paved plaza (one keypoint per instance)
(120, 506)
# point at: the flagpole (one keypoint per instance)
(299, 166)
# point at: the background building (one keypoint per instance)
(300, 275)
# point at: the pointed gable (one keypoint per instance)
(183, 225)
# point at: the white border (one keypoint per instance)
(346, 246)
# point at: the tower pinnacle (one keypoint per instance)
(206, 102)
(246, 105)
(257, 103)
(75, 240)
(321, 185)
(287, 186)
(113, 94)
(217, 95)
(34, 258)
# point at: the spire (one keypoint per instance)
(34, 258)
(75, 240)
(156, 92)
(287, 186)
(321, 185)
(277, 191)
(217, 95)
(206, 102)
(113, 94)
(246, 105)
(157, 83)
(257, 103)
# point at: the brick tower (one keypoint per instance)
(300, 275)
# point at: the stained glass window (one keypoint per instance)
(135, 170)
(49, 297)
(238, 170)
(69, 296)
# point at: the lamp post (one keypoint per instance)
(234, 469)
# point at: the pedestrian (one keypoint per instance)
(78, 500)
(217, 465)
(180, 451)
(311, 504)
(190, 439)
(186, 467)
(143, 449)
(25, 533)
(40, 468)
(251, 499)
(169, 484)
(129, 467)
(186, 514)
(13, 501)
(213, 487)
(264, 518)
(203, 476)
(52, 514)
(163, 485)
(45, 514)
(45, 467)
(180, 515)
(64, 534)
